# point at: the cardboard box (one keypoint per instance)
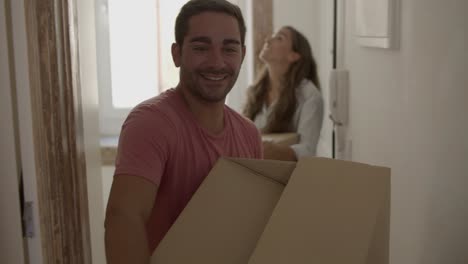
(317, 210)
(285, 139)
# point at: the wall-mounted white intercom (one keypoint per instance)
(339, 108)
(338, 99)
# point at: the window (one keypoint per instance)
(134, 41)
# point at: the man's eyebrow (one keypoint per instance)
(207, 40)
(200, 39)
(231, 41)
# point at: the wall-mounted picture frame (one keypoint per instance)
(377, 23)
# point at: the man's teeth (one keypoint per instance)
(214, 77)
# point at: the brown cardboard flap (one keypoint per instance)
(329, 214)
(275, 170)
(227, 214)
(380, 244)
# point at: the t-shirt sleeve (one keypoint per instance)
(252, 135)
(143, 146)
(309, 127)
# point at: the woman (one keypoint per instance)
(286, 97)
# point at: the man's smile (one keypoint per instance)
(214, 76)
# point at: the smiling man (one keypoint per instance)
(169, 143)
(211, 56)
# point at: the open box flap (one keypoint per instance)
(276, 170)
(328, 213)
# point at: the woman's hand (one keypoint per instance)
(275, 151)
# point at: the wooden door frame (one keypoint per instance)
(58, 131)
(262, 27)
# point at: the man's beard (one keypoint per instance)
(192, 82)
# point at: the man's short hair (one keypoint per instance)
(195, 7)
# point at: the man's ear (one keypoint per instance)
(243, 52)
(176, 53)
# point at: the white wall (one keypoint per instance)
(408, 112)
(237, 96)
(90, 104)
(11, 241)
(303, 15)
(314, 19)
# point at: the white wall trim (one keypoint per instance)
(27, 148)
(11, 241)
(90, 106)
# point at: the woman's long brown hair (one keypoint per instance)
(304, 68)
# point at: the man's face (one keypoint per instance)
(210, 57)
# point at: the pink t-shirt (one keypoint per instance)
(162, 142)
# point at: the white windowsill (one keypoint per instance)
(108, 150)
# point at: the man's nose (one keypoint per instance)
(216, 59)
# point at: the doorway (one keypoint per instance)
(64, 125)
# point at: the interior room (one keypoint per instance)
(393, 80)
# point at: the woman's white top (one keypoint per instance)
(307, 120)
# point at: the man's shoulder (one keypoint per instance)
(241, 122)
(160, 106)
(156, 113)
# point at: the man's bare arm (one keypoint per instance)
(129, 207)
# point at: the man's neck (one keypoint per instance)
(210, 115)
